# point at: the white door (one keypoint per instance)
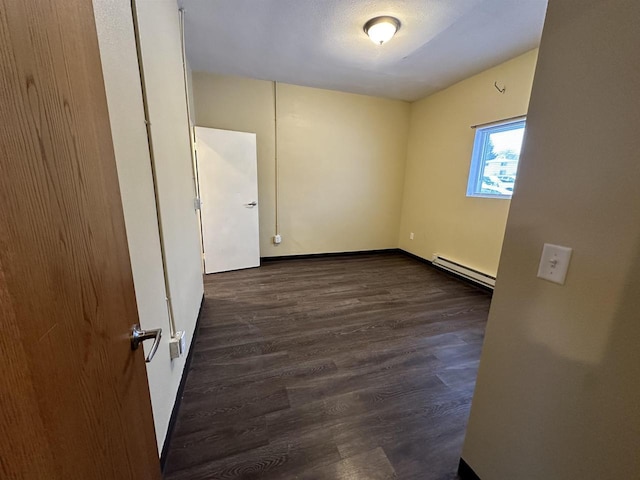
(228, 181)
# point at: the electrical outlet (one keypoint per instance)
(177, 345)
(277, 239)
(411, 236)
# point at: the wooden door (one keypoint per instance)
(228, 185)
(74, 400)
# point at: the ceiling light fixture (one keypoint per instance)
(381, 29)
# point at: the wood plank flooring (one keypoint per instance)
(351, 367)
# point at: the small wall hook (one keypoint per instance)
(501, 90)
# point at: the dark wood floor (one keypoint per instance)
(357, 367)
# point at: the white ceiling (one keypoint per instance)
(320, 43)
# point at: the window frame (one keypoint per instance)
(478, 156)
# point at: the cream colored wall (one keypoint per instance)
(435, 206)
(341, 161)
(558, 392)
(161, 53)
(114, 24)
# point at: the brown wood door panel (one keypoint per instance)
(74, 398)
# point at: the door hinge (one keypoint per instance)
(197, 203)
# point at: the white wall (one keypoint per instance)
(114, 24)
(161, 52)
(341, 161)
(558, 390)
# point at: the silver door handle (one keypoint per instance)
(252, 204)
(138, 336)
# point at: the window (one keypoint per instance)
(494, 162)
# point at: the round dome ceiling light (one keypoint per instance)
(381, 29)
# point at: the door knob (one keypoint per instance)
(138, 336)
(251, 204)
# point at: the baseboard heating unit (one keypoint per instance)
(466, 272)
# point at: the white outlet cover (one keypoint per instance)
(554, 263)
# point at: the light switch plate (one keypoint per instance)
(554, 263)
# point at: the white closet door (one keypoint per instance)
(228, 180)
